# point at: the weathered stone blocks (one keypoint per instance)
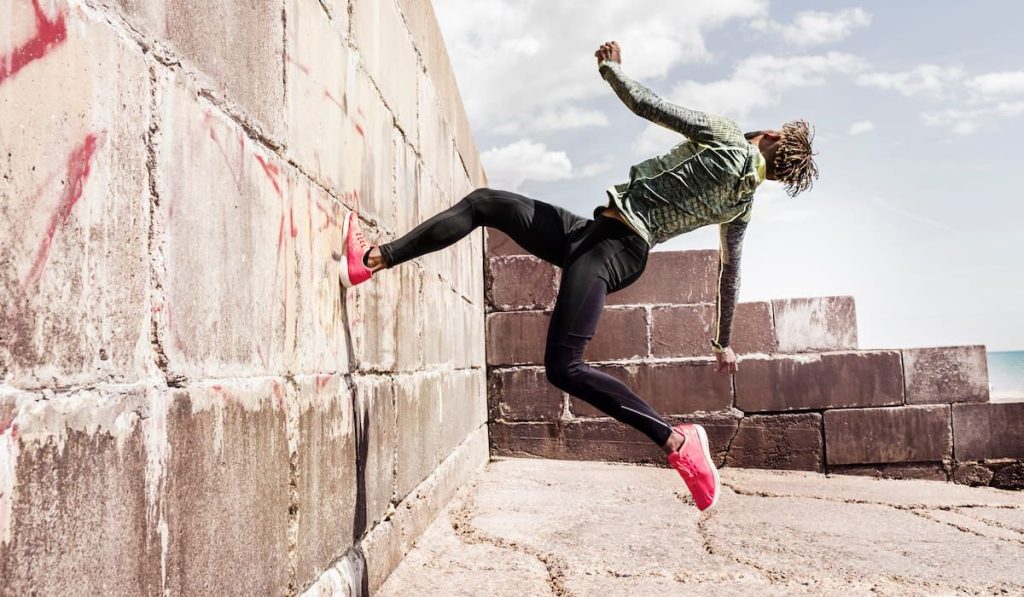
(225, 493)
(828, 380)
(946, 374)
(74, 200)
(988, 430)
(238, 46)
(880, 435)
(778, 442)
(73, 493)
(815, 323)
(523, 394)
(675, 388)
(685, 330)
(518, 283)
(673, 277)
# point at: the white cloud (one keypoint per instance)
(815, 27)
(761, 80)
(510, 166)
(927, 79)
(553, 119)
(502, 77)
(861, 127)
(997, 84)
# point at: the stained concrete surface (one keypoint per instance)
(529, 526)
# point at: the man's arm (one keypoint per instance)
(697, 126)
(730, 244)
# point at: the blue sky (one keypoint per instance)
(918, 109)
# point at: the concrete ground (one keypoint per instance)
(529, 526)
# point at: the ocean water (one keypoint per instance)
(1006, 375)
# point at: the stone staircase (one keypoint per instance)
(805, 396)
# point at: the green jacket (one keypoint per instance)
(710, 178)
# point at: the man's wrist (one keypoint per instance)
(716, 347)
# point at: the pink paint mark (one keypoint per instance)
(359, 129)
(79, 165)
(334, 99)
(280, 237)
(14, 430)
(208, 122)
(5, 423)
(278, 395)
(299, 65)
(322, 381)
(271, 171)
(49, 34)
(263, 357)
(291, 216)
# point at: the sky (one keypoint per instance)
(917, 106)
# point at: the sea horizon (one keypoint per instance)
(1006, 375)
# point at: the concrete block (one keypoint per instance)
(73, 115)
(225, 492)
(387, 49)
(407, 187)
(523, 395)
(539, 440)
(673, 277)
(418, 403)
(829, 380)
(330, 453)
(325, 120)
(686, 330)
(73, 493)
(409, 318)
(792, 442)
(988, 430)
(373, 315)
(320, 340)
(463, 407)
(670, 388)
(376, 442)
(499, 244)
(435, 141)
(879, 435)
(621, 334)
(612, 440)
(238, 46)
(517, 283)
(815, 323)
(946, 374)
(230, 279)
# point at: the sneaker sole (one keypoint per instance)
(711, 463)
(343, 262)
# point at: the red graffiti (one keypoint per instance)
(79, 165)
(322, 381)
(5, 423)
(208, 121)
(299, 65)
(291, 216)
(278, 395)
(331, 97)
(271, 171)
(49, 34)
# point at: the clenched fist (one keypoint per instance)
(609, 51)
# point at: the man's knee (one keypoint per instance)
(559, 370)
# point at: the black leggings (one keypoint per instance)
(597, 256)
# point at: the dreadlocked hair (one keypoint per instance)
(794, 162)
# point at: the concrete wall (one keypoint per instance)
(190, 404)
(804, 397)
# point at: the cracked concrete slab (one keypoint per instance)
(530, 526)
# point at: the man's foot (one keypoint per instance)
(351, 268)
(694, 464)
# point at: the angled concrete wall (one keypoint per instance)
(189, 402)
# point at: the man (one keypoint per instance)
(708, 179)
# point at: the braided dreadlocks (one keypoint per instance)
(794, 164)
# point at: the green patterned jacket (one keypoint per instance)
(710, 178)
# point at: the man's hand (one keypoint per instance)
(726, 361)
(609, 51)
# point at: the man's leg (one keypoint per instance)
(538, 227)
(578, 308)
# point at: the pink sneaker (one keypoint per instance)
(350, 266)
(694, 463)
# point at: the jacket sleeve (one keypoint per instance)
(698, 126)
(730, 245)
